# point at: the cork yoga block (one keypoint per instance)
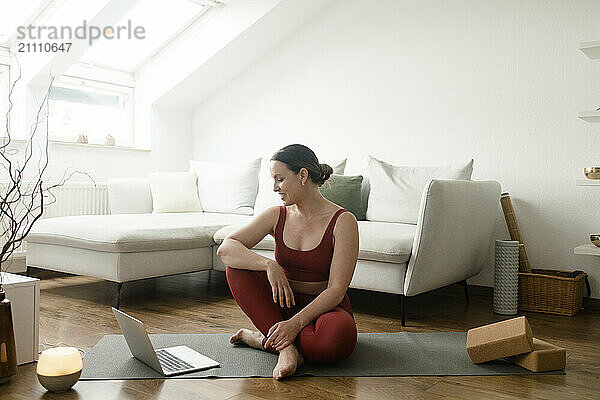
(544, 357)
(499, 340)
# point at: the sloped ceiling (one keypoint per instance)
(241, 53)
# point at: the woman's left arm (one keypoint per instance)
(345, 254)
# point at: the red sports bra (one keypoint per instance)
(310, 265)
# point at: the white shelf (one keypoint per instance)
(587, 250)
(587, 182)
(589, 116)
(591, 49)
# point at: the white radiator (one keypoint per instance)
(77, 199)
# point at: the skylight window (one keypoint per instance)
(73, 13)
(49, 13)
(161, 20)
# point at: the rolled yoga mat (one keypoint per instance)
(376, 354)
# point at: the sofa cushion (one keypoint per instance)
(174, 192)
(385, 241)
(396, 191)
(129, 196)
(227, 187)
(378, 241)
(345, 191)
(133, 232)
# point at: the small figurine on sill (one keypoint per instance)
(109, 140)
(82, 139)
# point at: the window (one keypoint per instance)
(96, 111)
(4, 90)
(162, 21)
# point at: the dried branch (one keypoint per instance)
(22, 202)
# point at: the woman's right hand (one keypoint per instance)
(282, 291)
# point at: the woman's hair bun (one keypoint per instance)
(326, 172)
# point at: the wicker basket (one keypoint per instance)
(553, 292)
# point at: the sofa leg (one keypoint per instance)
(118, 300)
(464, 284)
(208, 282)
(402, 299)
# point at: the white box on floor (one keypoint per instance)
(24, 295)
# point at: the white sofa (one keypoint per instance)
(447, 245)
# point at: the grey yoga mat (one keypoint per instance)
(376, 354)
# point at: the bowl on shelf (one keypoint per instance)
(595, 239)
(592, 172)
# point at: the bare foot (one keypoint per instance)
(248, 337)
(290, 359)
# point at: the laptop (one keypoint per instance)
(168, 361)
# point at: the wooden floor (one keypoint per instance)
(76, 311)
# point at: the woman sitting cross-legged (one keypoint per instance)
(298, 301)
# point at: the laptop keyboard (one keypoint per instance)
(170, 363)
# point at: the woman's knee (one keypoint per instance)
(344, 340)
(333, 339)
(323, 350)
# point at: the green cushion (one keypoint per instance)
(345, 191)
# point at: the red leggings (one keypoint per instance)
(331, 337)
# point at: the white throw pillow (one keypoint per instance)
(227, 187)
(129, 196)
(396, 191)
(267, 197)
(174, 192)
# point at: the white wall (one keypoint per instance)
(188, 54)
(433, 83)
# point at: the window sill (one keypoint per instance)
(12, 140)
(98, 146)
